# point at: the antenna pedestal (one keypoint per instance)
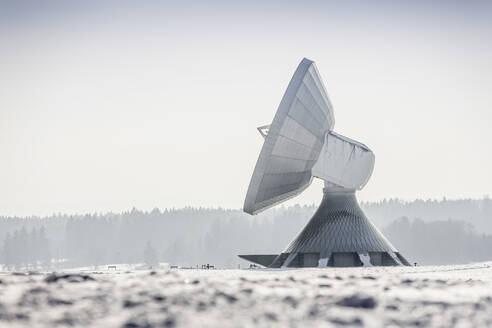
(338, 235)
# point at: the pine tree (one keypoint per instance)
(22, 248)
(32, 248)
(44, 254)
(8, 252)
(150, 255)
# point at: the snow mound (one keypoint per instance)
(440, 296)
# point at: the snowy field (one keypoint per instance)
(439, 296)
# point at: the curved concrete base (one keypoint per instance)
(338, 235)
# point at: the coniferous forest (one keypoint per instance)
(426, 232)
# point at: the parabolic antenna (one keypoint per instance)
(300, 144)
(293, 141)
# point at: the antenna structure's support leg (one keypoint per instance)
(323, 261)
(289, 259)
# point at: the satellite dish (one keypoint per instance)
(293, 142)
(300, 144)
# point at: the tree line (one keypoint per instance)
(478, 212)
(194, 236)
(439, 242)
(23, 249)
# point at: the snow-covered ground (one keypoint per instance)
(437, 296)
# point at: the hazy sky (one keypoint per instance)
(109, 105)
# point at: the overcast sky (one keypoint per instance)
(109, 105)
